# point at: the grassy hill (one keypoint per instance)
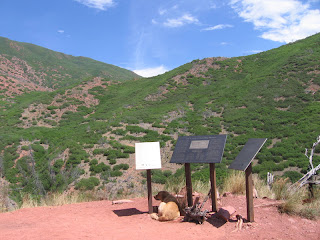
(83, 135)
(25, 63)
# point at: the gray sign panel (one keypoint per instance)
(247, 153)
(199, 149)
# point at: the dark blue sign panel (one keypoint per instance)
(247, 153)
(199, 149)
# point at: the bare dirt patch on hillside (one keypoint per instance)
(102, 220)
(18, 77)
(41, 115)
(199, 68)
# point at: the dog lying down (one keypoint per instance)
(168, 209)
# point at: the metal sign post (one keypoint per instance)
(243, 163)
(148, 157)
(200, 149)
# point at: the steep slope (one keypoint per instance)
(26, 67)
(89, 130)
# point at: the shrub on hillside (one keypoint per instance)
(98, 151)
(98, 168)
(87, 183)
(122, 166)
(115, 173)
(112, 161)
(293, 176)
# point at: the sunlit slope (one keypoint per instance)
(92, 126)
(47, 68)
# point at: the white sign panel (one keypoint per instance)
(148, 155)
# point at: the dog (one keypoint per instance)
(168, 209)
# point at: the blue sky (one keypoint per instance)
(153, 36)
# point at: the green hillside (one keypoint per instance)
(273, 94)
(54, 69)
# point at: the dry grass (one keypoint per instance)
(262, 188)
(58, 199)
(298, 203)
(201, 187)
(3, 197)
(280, 188)
(235, 183)
(175, 184)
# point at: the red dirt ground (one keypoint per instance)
(102, 220)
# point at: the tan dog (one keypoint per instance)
(168, 209)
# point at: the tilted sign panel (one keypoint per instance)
(247, 153)
(199, 149)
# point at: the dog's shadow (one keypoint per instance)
(128, 212)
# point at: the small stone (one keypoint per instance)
(121, 201)
(226, 212)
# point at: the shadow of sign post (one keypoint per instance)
(243, 163)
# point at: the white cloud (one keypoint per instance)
(280, 20)
(98, 4)
(60, 31)
(162, 11)
(216, 27)
(213, 5)
(179, 22)
(150, 72)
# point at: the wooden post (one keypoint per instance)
(150, 207)
(249, 193)
(213, 187)
(188, 183)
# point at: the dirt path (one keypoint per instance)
(102, 220)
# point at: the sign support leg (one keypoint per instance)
(188, 183)
(213, 187)
(150, 207)
(249, 194)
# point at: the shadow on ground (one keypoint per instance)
(127, 212)
(215, 221)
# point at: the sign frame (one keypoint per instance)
(247, 154)
(210, 147)
(199, 149)
(144, 152)
(243, 162)
(147, 155)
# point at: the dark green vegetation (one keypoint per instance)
(273, 94)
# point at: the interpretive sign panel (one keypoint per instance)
(247, 153)
(199, 149)
(148, 155)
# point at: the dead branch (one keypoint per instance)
(304, 180)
